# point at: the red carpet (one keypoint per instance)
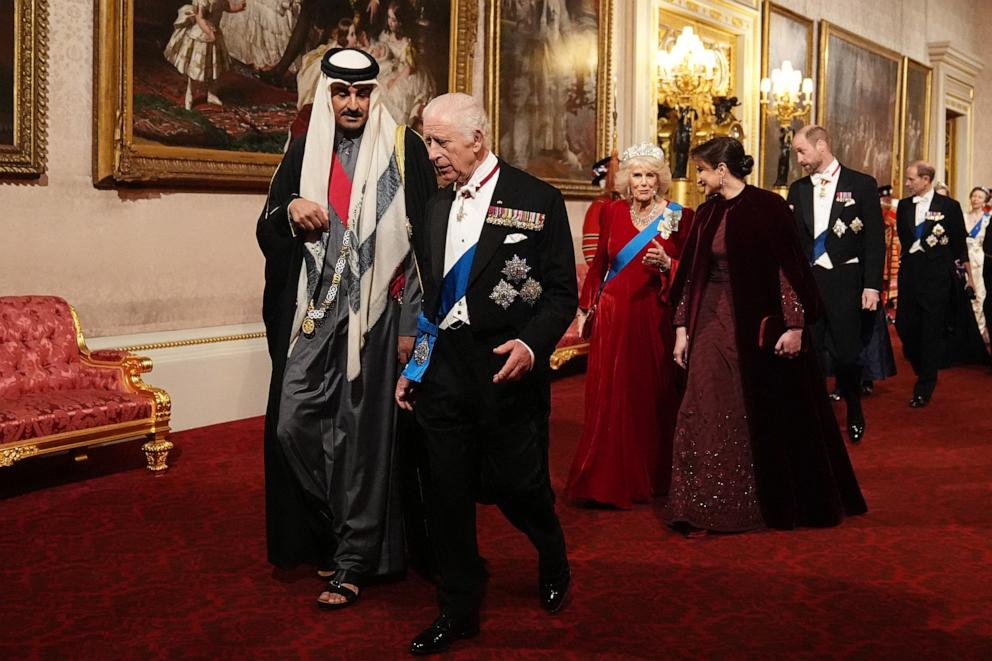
(108, 561)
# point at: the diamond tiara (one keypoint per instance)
(643, 149)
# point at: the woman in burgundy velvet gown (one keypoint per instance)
(624, 455)
(756, 443)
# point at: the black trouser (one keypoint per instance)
(839, 335)
(483, 439)
(921, 321)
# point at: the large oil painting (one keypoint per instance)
(23, 87)
(916, 113)
(859, 102)
(788, 37)
(549, 100)
(211, 90)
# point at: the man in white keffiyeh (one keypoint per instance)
(341, 302)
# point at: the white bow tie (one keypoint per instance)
(919, 198)
(820, 179)
(467, 192)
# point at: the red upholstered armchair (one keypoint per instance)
(571, 345)
(56, 394)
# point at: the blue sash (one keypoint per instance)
(918, 233)
(819, 246)
(976, 230)
(453, 289)
(636, 245)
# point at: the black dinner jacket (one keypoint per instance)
(548, 252)
(933, 265)
(868, 244)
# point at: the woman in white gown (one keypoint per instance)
(976, 223)
(258, 36)
(406, 85)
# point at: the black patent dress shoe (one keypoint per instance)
(919, 401)
(446, 630)
(856, 428)
(555, 591)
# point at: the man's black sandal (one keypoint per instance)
(336, 586)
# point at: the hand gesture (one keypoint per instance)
(404, 349)
(517, 365)
(790, 344)
(308, 216)
(681, 346)
(657, 257)
(869, 300)
(406, 393)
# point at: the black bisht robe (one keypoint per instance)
(290, 537)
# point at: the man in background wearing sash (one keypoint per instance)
(839, 219)
(340, 307)
(932, 234)
(498, 271)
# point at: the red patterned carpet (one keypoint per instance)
(107, 561)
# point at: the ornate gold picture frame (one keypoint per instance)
(786, 35)
(548, 88)
(171, 111)
(915, 119)
(23, 87)
(859, 101)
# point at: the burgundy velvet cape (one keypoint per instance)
(804, 476)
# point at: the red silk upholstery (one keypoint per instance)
(55, 412)
(45, 387)
(38, 351)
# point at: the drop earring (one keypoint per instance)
(721, 180)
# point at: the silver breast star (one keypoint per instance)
(516, 269)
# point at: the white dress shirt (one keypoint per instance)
(470, 206)
(824, 191)
(922, 203)
(465, 222)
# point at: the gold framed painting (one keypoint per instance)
(859, 102)
(549, 70)
(786, 36)
(23, 87)
(917, 81)
(206, 93)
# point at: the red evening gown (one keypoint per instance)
(624, 455)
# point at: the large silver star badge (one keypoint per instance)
(516, 269)
(944, 241)
(503, 294)
(856, 225)
(839, 228)
(938, 230)
(531, 291)
(931, 240)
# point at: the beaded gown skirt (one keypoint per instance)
(713, 485)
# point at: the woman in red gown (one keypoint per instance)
(756, 443)
(624, 454)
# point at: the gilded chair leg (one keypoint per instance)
(157, 452)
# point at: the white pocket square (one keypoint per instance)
(849, 203)
(514, 238)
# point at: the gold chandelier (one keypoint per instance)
(690, 74)
(787, 94)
